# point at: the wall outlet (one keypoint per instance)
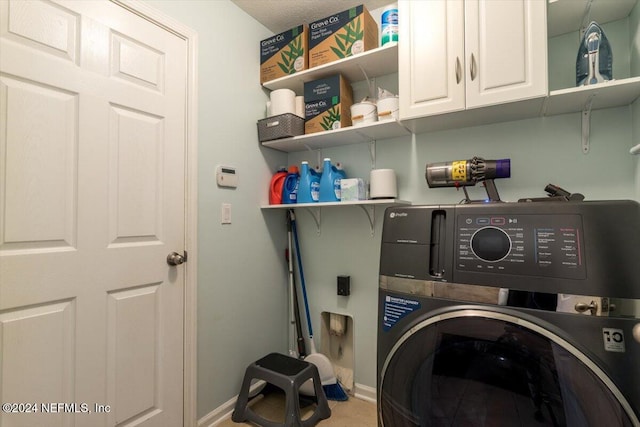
(344, 285)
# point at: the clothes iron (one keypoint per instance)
(594, 61)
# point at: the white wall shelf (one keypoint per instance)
(344, 136)
(346, 203)
(372, 63)
(367, 206)
(507, 112)
(615, 93)
(565, 16)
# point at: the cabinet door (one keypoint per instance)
(431, 57)
(506, 50)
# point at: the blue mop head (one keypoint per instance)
(335, 392)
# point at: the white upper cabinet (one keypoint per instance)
(457, 55)
(508, 40)
(431, 57)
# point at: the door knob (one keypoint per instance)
(175, 258)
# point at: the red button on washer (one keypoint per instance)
(498, 221)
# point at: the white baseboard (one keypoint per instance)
(365, 392)
(224, 411)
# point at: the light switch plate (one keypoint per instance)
(226, 213)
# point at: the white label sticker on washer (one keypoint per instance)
(396, 308)
(613, 340)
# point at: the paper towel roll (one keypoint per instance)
(300, 106)
(382, 184)
(283, 101)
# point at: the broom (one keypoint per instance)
(295, 307)
(332, 389)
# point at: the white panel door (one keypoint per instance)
(92, 200)
(431, 57)
(506, 50)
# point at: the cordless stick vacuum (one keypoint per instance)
(464, 173)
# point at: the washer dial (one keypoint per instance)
(490, 244)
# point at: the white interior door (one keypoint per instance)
(92, 200)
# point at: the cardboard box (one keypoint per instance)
(342, 35)
(352, 189)
(285, 53)
(327, 104)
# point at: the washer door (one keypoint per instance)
(483, 368)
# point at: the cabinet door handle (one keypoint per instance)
(474, 67)
(458, 70)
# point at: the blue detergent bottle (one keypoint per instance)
(309, 185)
(341, 175)
(328, 182)
(290, 186)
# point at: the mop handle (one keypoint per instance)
(302, 283)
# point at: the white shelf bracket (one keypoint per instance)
(370, 83)
(315, 214)
(586, 124)
(372, 153)
(370, 211)
(586, 18)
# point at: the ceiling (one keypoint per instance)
(281, 15)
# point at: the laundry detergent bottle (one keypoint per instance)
(341, 175)
(328, 181)
(290, 187)
(276, 186)
(309, 185)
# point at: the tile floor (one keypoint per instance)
(352, 413)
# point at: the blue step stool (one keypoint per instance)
(287, 373)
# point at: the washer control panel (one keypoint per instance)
(540, 245)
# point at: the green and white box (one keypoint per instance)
(352, 189)
(284, 54)
(327, 104)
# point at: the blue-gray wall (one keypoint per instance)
(242, 279)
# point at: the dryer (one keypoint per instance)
(508, 314)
